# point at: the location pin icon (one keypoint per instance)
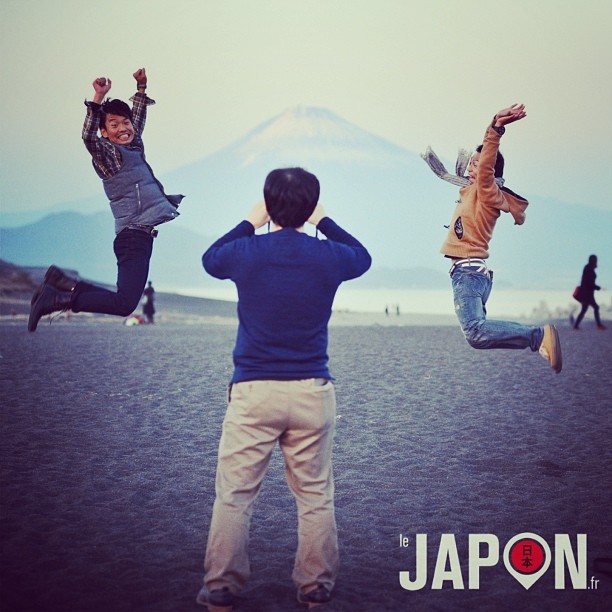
(527, 556)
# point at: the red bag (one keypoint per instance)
(576, 295)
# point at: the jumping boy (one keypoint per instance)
(481, 201)
(137, 200)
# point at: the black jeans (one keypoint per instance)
(133, 250)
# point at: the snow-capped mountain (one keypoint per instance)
(370, 186)
(315, 134)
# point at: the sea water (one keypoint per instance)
(528, 304)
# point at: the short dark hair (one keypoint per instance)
(291, 195)
(114, 107)
(499, 162)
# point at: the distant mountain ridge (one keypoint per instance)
(84, 243)
(383, 194)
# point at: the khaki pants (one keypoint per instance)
(300, 414)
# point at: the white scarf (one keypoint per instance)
(459, 178)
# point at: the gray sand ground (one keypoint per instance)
(109, 437)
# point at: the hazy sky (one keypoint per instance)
(414, 72)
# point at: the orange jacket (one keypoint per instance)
(480, 205)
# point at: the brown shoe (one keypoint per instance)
(550, 348)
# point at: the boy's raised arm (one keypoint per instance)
(101, 87)
(89, 133)
(140, 101)
(509, 115)
(141, 79)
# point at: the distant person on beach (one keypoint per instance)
(587, 293)
(281, 389)
(137, 200)
(482, 199)
(148, 308)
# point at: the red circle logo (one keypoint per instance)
(527, 556)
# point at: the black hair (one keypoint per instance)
(291, 195)
(499, 162)
(114, 107)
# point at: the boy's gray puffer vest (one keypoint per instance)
(136, 196)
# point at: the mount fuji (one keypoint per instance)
(373, 188)
(383, 194)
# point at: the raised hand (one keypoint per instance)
(102, 86)
(141, 77)
(510, 114)
(317, 214)
(259, 215)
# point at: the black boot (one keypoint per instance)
(57, 278)
(47, 300)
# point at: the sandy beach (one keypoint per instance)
(109, 439)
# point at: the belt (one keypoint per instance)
(147, 229)
(478, 265)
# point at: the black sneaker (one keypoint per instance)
(217, 600)
(316, 597)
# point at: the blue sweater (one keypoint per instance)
(286, 283)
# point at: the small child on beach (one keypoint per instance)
(482, 199)
(137, 200)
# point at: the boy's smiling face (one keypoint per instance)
(118, 129)
(473, 167)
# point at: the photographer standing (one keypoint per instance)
(281, 389)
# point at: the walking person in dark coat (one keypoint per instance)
(587, 293)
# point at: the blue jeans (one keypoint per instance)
(133, 250)
(471, 291)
